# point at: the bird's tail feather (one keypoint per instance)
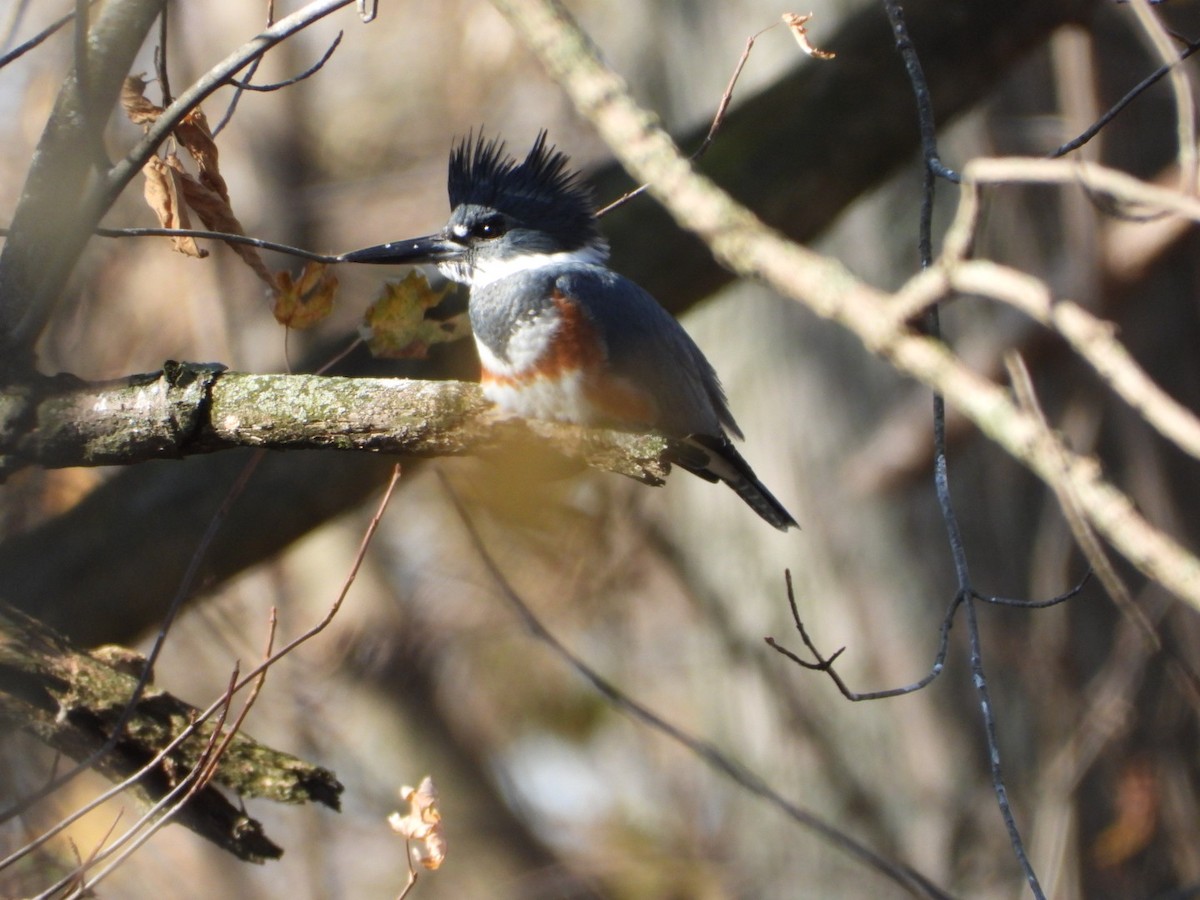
(714, 459)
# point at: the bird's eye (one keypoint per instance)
(489, 228)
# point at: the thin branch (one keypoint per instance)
(145, 826)
(169, 807)
(825, 663)
(979, 677)
(1085, 536)
(900, 873)
(36, 265)
(51, 29)
(1181, 94)
(161, 69)
(227, 237)
(1025, 603)
(916, 77)
(717, 121)
(246, 85)
(251, 71)
(1117, 108)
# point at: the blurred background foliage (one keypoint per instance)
(546, 791)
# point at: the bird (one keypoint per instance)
(560, 335)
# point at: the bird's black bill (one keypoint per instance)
(411, 252)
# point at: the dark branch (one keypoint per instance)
(246, 85)
(69, 699)
(224, 236)
(22, 49)
(1136, 91)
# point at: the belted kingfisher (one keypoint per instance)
(560, 335)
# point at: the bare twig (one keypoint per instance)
(900, 873)
(246, 85)
(186, 587)
(23, 48)
(825, 663)
(1085, 536)
(227, 237)
(1181, 93)
(1117, 108)
(717, 121)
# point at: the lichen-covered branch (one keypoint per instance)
(187, 409)
(70, 700)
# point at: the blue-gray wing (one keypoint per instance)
(647, 347)
(649, 350)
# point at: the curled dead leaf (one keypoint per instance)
(422, 823)
(194, 135)
(163, 191)
(395, 326)
(795, 23)
(171, 189)
(217, 215)
(139, 110)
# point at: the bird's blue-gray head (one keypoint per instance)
(506, 216)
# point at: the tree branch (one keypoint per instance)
(69, 699)
(49, 227)
(187, 409)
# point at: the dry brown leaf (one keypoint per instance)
(423, 823)
(164, 193)
(170, 188)
(395, 326)
(795, 23)
(303, 302)
(217, 215)
(193, 133)
(139, 110)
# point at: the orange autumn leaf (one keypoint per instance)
(303, 302)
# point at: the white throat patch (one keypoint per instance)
(486, 271)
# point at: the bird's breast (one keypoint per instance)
(547, 360)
